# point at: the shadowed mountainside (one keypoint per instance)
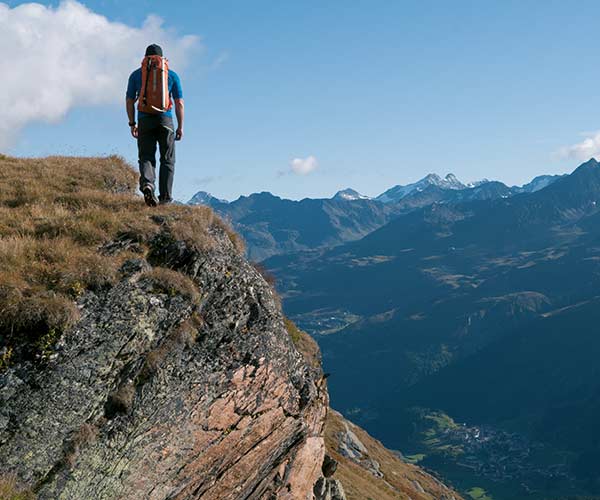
(456, 289)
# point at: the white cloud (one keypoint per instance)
(221, 59)
(583, 150)
(304, 166)
(67, 56)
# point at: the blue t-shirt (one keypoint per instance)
(134, 87)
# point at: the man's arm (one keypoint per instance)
(179, 113)
(130, 107)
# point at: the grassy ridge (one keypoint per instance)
(66, 226)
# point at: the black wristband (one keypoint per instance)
(132, 124)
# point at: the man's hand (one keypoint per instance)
(179, 114)
(130, 107)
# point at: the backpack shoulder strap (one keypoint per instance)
(146, 64)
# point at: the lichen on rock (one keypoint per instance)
(160, 392)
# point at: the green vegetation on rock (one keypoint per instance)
(478, 494)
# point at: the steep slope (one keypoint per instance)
(141, 356)
(368, 470)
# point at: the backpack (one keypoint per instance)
(154, 95)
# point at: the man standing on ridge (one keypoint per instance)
(156, 88)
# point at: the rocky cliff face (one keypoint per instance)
(175, 376)
(151, 396)
(178, 379)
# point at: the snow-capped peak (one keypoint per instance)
(204, 198)
(398, 192)
(349, 194)
(478, 183)
(451, 182)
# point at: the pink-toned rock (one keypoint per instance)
(236, 414)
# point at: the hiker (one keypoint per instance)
(156, 88)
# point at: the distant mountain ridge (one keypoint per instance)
(539, 182)
(272, 225)
(396, 193)
(451, 183)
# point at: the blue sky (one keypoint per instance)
(378, 92)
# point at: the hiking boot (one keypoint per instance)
(162, 201)
(149, 196)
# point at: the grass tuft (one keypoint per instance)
(10, 490)
(184, 335)
(120, 402)
(66, 227)
(267, 275)
(304, 343)
(83, 436)
(172, 283)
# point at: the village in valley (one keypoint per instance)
(491, 453)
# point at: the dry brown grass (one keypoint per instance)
(190, 227)
(120, 402)
(304, 343)
(85, 435)
(399, 481)
(184, 335)
(187, 333)
(267, 275)
(57, 216)
(10, 490)
(172, 283)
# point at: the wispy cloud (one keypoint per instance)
(301, 166)
(221, 59)
(583, 150)
(204, 181)
(68, 56)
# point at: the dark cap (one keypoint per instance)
(154, 50)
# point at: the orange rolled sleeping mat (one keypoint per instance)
(154, 96)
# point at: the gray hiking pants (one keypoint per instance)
(153, 130)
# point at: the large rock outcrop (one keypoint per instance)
(172, 377)
(150, 396)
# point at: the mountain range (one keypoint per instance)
(480, 308)
(272, 225)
